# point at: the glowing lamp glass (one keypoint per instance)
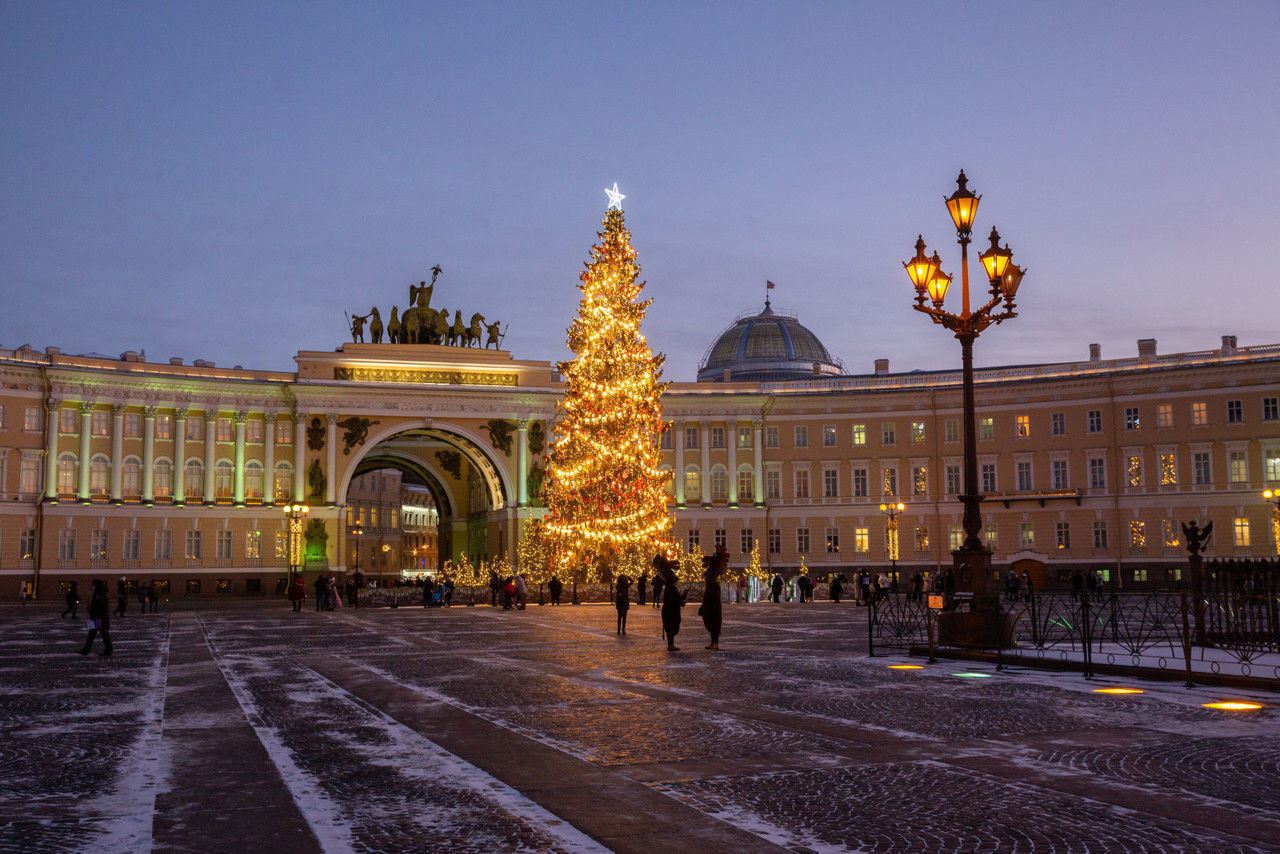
(920, 268)
(963, 205)
(1233, 706)
(996, 259)
(938, 287)
(1012, 278)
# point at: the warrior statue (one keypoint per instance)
(495, 336)
(357, 328)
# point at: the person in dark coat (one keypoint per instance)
(711, 610)
(153, 596)
(622, 601)
(640, 586)
(672, 600)
(122, 596)
(837, 588)
(99, 619)
(657, 589)
(297, 592)
(72, 600)
(554, 587)
(775, 589)
(321, 585)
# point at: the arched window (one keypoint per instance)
(719, 483)
(692, 485)
(194, 483)
(161, 479)
(67, 475)
(99, 472)
(746, 485)
(284, 482)
(253, 480)
(670, 485)
(131, 477)
(224, 474)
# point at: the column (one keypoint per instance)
(678, 426)
(86, 426)
(148, 455)
(180, 456)
(731, 436)
(522, 462)
(299, 457)
(757, 430)
(269, 459)
(210, 454)
(331, 460)
(117, 454)
(51, 408)
(239, 475)
(704, 429)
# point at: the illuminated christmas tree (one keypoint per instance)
(605, 492)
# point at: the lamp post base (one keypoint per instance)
(972, 568)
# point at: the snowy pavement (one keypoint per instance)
(473, 729)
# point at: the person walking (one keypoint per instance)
(837, 588)
(657, 589)
(711, 611)
(672, 600)
(622, 602)
(297, 592)
(640, 586)
(320, 584)
(72, 599)
(495, 585)
(775, 589)
(122, 596)
(554, 587)
(99, 619)
(153, 596)
(522, 591)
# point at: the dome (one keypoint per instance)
(767, 346)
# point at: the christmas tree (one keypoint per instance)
(605, 492)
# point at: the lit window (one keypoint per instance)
(955, 537)
(744, 438)
(162, 479)
(1240, 526)
(1168, 470)
(193, 546)
(100, 425)
(859, 434)
(746, 486)
(889, 481)
(284, 432)
(253, 545)
(986, 428)
(67, 421)
(1062, 535)
(163, 427)
(1164, 415)
(253, 431)
(862, 540)
(131, 477)
(989, 535)
(1238, 467)
(829, 436)
(31, 419)
(283, 482)
(833, 541)
(1172, 539)
(1023, 425)
(66, 475)
(1133, 467)
(1138, 534)
(1199, 413)
(195, 428)
(224, 431)
(1131, 419)
(98, 544)
(692, 485)
(98, 474)
(223, 479)
(922, 539)
(1271, 464)
(1026, 535)
(133, 425)
(253, 480)
(917, 432)
(920, 480)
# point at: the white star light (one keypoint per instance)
(615, 198)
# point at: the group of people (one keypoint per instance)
(328, 591)
(673, 599)
(148, 597)
(437, 594)
(513, 591)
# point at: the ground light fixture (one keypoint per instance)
(905, 666)
(1118, 691)
(1233, 705)
(968, 675)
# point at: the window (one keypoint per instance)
(164, 545)
(1168, 470)
(282, 545)
(1138, 534)
(98, 475)
(1270, 464)
(1061, 474)
(253, 431)
(1131, 419)
(986, 428)
(889, 481)
(284, 432)
(859, 434)
(1026, 535)
(1062, 535)
(223, 480)
(693, 539)
(67, 421)
(744, 438)
(163, 427)
(775, 541)
(1201, 473)
(888, 433)
(1235, 412)
(1058, 424)
(802, 483)
(951, 430)
(801, 436)
(829, 436)
(1022, 426)
(917, 432)
(31, 419)
(1164, 415)
(131, 477)
(100, 424)
(1133, 469)
(283, 482)
(919, 480)
(1199, 413)
(1271, 409)
(989, 535)
(771, 437)
(132, 545)
(721, 538)
(692, 485)
(833, 541)
(746, 486)
(1023, 472)
(955, 537)
(253, 480)
(1237, 467)
(802, 541)
(922, 538)
(66, 475)
(98, 544)
(133, 425)
(1097, 473)
(195, 428)
(223, 432)
(830, 483)
(27, 544)
(717, 438)
(862, 540)
(719, 484)
(772, 484)
(193, 547)
(67, 544)
(373, 517)
(29, 476)
(988, 472)
(1240, 529)
(691, 438)
(953, 479)
(747, 541)
(1171, 538)
(222, 545)
(860, 481)
(1094, 421)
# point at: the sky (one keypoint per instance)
(222, 181)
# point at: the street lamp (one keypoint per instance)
(355, 531)
(893, 511)
(295, 513)
(1273, 498)
(972, 561)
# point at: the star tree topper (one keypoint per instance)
(615, 198)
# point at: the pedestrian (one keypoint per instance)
(711, 611)
(640, 585)
(657, 588)
(917, 587)
(122, 596)
(333, 600)
(428, 588)
(554, 587)
(622, 602)
(142, 597)
(297, 592)
(864, 587)
(448, 592)
(522, 592)
(672, 600)
(22, 591)
(495, 587)
(1077, 583)
(357, 581)
(837, 587)
(72, 599)
(99, 619)
(775, 589)
(320, 584)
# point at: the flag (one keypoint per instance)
(769, 285)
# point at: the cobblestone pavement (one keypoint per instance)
(475, 729)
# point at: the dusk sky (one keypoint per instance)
(218, 181)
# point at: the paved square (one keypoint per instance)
(251, 728)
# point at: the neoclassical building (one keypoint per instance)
(178, 472)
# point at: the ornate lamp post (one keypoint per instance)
(972, 561)
(295, 513)
(356, 531)
(893, 511)
(1273, 498)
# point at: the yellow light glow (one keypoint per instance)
(1233, 706)
(1118, 691)
(906, 667)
